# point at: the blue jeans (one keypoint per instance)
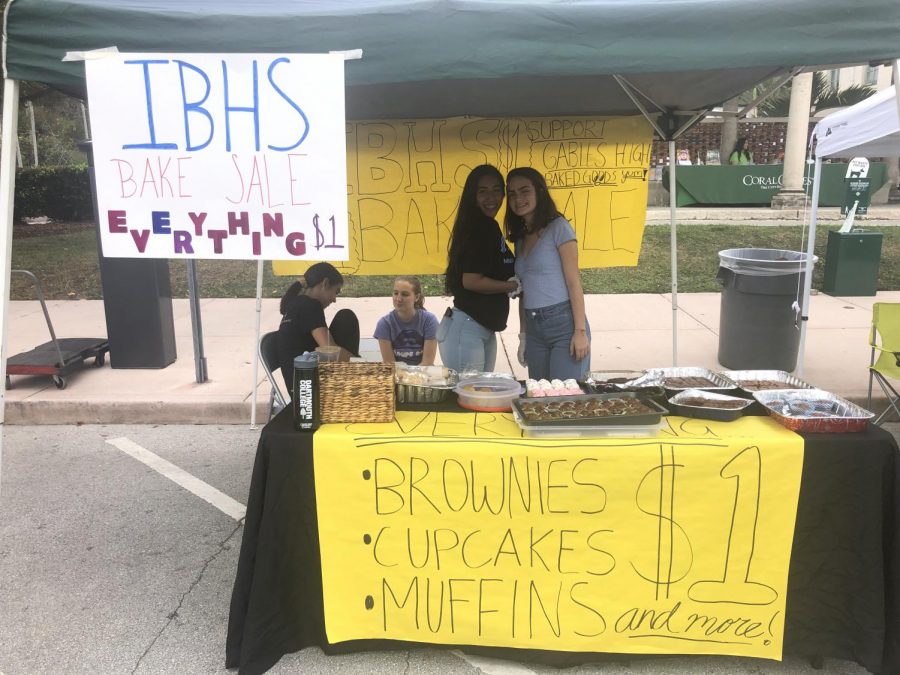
(465, 344)
(547, 347)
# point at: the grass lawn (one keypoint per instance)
(67, 265)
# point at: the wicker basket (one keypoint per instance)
(356, 392)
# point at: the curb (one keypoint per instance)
(150, 412)
(199, 413)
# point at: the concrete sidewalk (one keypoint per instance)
(629, 331)
(879, 215)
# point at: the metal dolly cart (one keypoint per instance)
(59, 357)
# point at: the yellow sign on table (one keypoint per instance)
(405, 178)
(453, 528)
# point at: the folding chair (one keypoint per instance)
(268, 355)
(884, 338)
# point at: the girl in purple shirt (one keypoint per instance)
(408, 334)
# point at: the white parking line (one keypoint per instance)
(192, 484)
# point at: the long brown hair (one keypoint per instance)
(417, 289)
(544, 212)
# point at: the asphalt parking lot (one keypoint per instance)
(118, 550)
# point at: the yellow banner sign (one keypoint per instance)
(406, 176)
(452, 528)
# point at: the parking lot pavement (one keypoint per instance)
(108, 565)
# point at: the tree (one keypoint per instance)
(823, 96)
(59, 125)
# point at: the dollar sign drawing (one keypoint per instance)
(655, 496)
(320, 238)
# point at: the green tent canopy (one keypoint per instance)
(440, 58)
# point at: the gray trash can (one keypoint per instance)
(758, 324)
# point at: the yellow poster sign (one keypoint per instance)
(405, 178)
(452, 528)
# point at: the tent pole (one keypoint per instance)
(673, 243)
(673, 238)
(7, 191)
(808, 272)
(259, 283)
(896, 77)
(196, 324)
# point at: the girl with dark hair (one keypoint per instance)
(555, 338)
(408, 334)
(741, 154)
(303, 326)
(480, 268)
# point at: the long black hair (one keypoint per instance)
(544, 212)
(314, 276)
(469, 217)
(741, 148)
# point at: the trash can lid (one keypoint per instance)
(764, 261)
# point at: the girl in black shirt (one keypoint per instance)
(480, 269)
(303, 326)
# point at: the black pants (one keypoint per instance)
(344, 329)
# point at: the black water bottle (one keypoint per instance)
(306, 392)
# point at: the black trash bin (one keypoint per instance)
(137, 298)
(758, 324)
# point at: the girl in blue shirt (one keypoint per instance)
(555, 341)
(408, 334)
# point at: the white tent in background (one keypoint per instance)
(871, 128)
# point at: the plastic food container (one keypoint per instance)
(684, 404)
(814, 410)
(488, 394)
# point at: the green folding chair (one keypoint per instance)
(884, 338)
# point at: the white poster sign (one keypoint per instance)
(220, 155)
(858, 167)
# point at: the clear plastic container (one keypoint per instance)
(488, 394)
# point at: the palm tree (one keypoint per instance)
(823, 96)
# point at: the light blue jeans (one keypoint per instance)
(549, 340)
(465, 344)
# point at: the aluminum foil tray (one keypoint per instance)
(595, 431)
(813, 410)
(745, 379)
(645, 419)
(680, 406)
(412, 393)
(611, 381)
(428, 391)
(662, 377)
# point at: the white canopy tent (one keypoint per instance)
(871, 128)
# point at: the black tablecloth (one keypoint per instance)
(843, 600)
